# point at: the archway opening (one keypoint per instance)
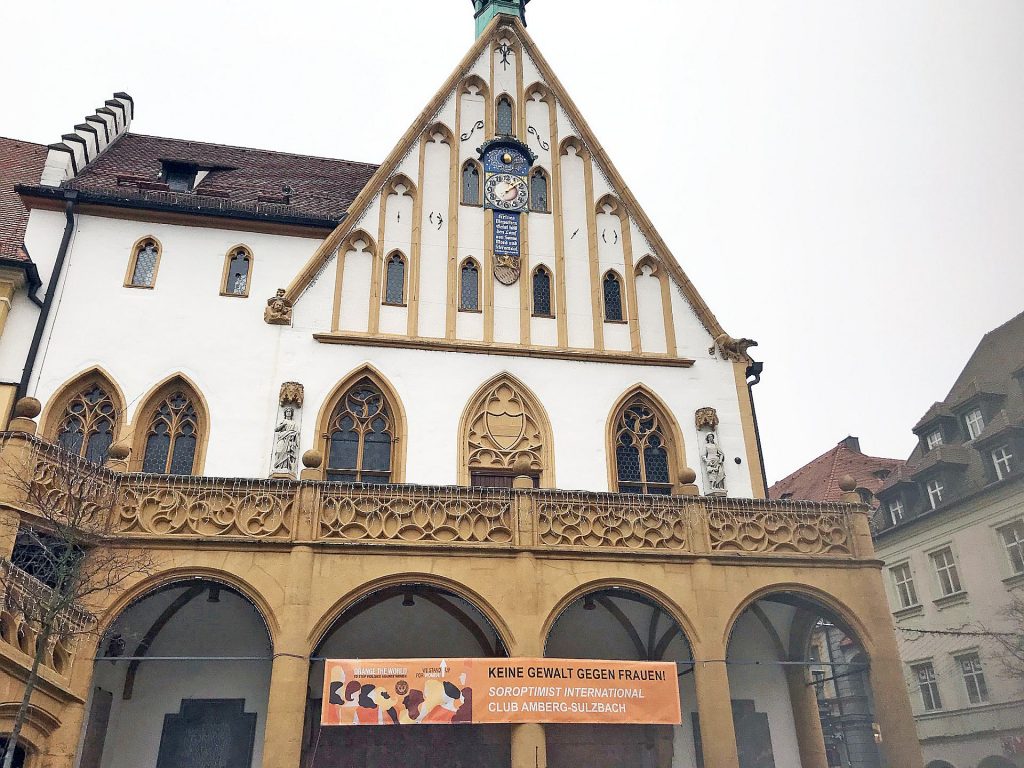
(939, 764)
(621, 623)
(996, 761)
(20, 755)
(183, 678)
(404, 621)
(798, 678)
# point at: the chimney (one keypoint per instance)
(69, 157)
(852, 443)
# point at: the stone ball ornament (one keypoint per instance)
(687, 476)
(312, 459)
(847, 483)
(119, 451)
(27, 408)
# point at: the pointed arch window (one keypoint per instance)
(394, 280)
(142, 267)
(539, 191)
(505, 117)
(470, 183)
(361, 436)
(542, 292)
(88, 424)
(237, 268)
(642, 458)
(469, 287)
(172, 435)
(613, 298)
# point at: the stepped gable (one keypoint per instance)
(237, 178)
(21, 162)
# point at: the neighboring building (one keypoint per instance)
(337, 402)
(950, 528)
(20, 162)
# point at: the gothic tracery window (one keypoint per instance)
(394, 280)
(361, 436)
(539, 191)
(172, 436)
(236, 275)
(504, 118)
(470, 184)
(88, 425)
(542, 292)
(469, 287)
(642, 459)
(612, 298)
(145, 259)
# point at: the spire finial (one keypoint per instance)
(485, 10)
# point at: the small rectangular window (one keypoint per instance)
(945, 569)
(1002, 460)
(903, 581)
(928, 685)
(975, 422)
(974, 678)
(934, 439)
(935, 489)
(896, 511)
(1013, 539)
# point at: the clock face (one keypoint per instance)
(507, 192)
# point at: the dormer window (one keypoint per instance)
(1002, 460)
(896, 511)
(934, 439)
(179, 177)
(935, 490)
(975, 422)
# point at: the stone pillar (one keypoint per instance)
(529, 747)
(62, 746)
(806, 719)
(899, 746)
(289, 677)
(714, 708)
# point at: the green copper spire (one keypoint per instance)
(488, 9)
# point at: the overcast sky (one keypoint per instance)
(843, 182)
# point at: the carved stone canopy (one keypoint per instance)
(291, 394)
(706, 418)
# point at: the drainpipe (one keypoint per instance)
(754, 371)
(70, 197)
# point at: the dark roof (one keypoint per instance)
(819, 479)
(239, 180)
(21, 162)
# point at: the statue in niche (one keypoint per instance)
(279, 309)
(286, 444)
(714, 465)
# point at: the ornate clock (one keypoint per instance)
(507, 193)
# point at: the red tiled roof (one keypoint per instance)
(21, 162)
(818, 480)
(241, 179)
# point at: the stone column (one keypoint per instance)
(61, 748)
(529, 747)
(289, 677)
(806, 719)
(899, 746)
(714, 708)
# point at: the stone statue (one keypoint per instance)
(714, 465)
(286, 444)
(279, 309)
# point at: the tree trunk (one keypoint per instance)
(30, 685)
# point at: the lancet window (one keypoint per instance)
(361, 436)
(236, 272)
(394, 288)
(539, 191)
(542, 292)
(143, 266)
(469, 287)
(172, 436)
(470, 183)
(612, 298)
(504, 120)
(642, 458)
(87, 428)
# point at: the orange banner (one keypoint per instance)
(458, 691)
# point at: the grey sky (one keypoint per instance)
(843, 182)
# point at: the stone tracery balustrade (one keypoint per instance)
(414, 514)
(262, 509)
(610, 520)
(162, 506)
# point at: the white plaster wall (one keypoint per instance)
(433, 288)
(470, 325)
(228, 628)
(538, 116)
(506, 312)
(397, 236)
(355, 288)
(649, 309)
(505, 78)
(578, 299)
